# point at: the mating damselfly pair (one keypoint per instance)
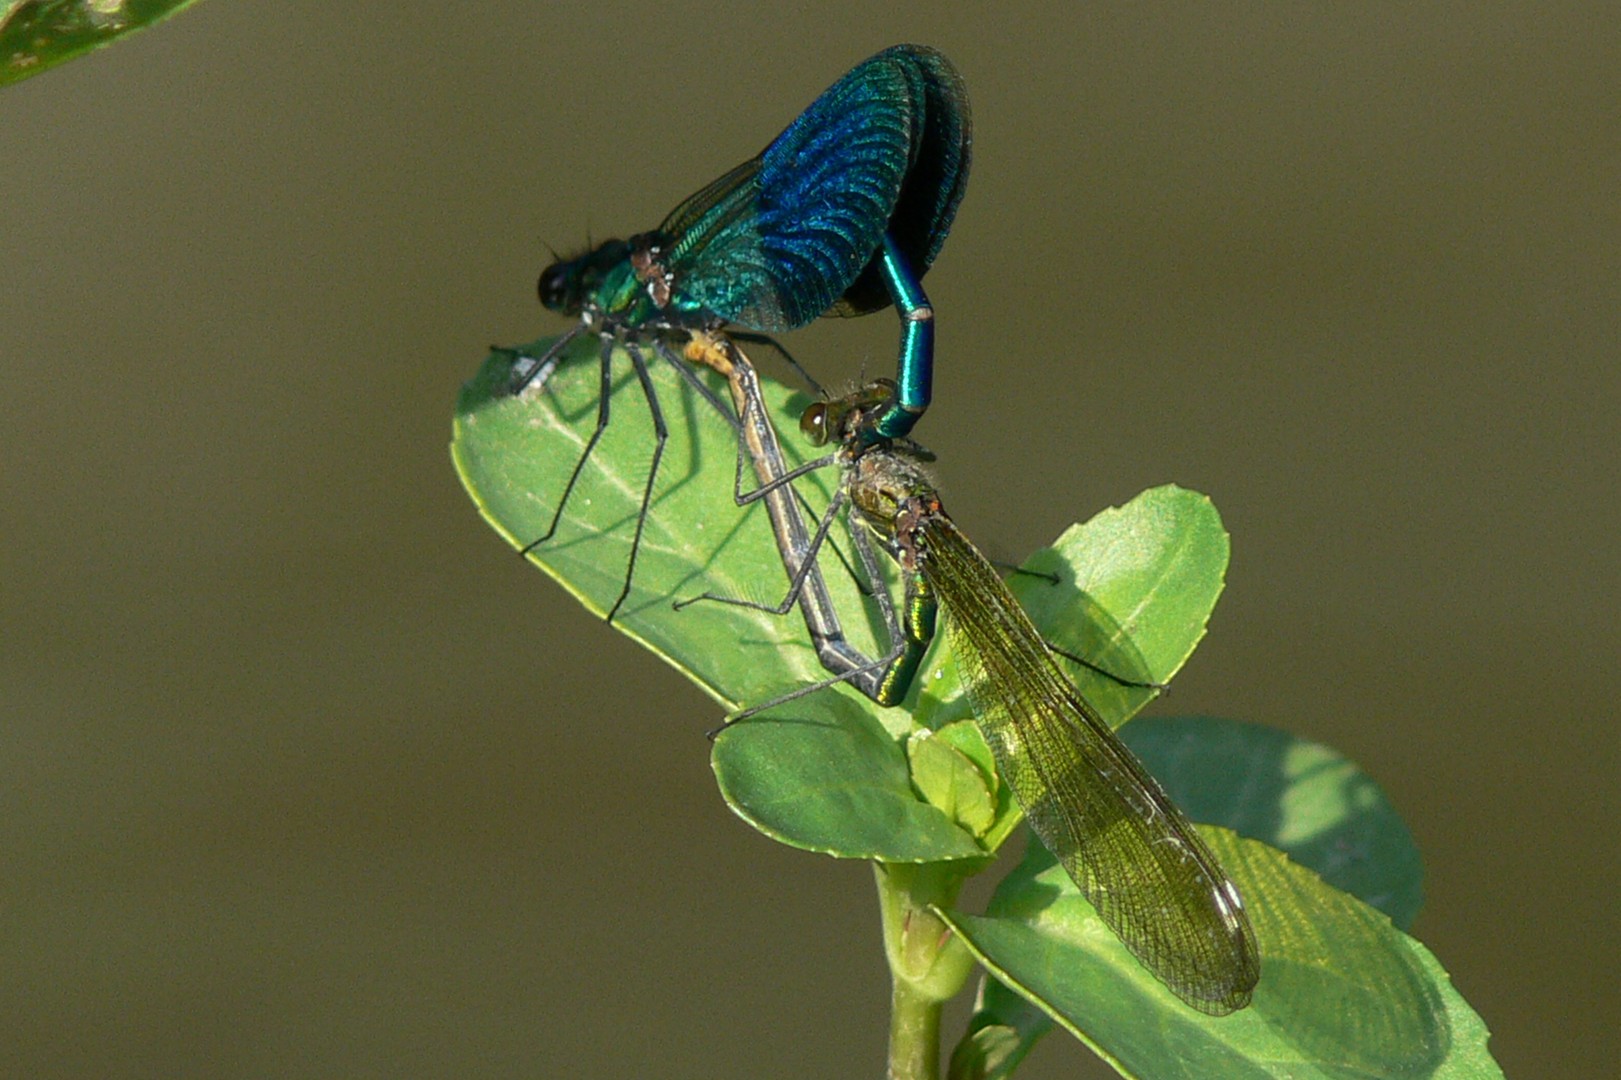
(842, 214)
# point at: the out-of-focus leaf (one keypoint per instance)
(39, 34)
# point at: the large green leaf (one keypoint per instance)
(1135, 588)
(1298, 796)
(1343, 993)
(815, 772)
(39, 34)
(837, 782)
(515, 454)
(1303, 798)
(822, 773)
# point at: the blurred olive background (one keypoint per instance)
(306, 774)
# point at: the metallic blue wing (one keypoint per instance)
(777, 241)
(934, 184)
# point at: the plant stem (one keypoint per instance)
(914, 1034)
(927, 964)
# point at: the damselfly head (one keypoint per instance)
(568, 285)
(838, 419)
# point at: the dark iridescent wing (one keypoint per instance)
(711, 211)
(776, 242)
(1133, 854)
(936, 181)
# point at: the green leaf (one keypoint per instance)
(39, 34)
(967, 739)
(1301, 797)
(515, 454)
(815, 773)
(1343, 993)
(947, 778)
(1136, 586)
(1149, 578)
(1003, 1030)
(820, 772)
(1268, 785)
(834, 782)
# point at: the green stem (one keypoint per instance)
(927, 964)
(914, 1034)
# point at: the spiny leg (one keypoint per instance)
(757, 442)
(808, 558)
(692, 377)
(883, 679)
(603, 392)
(1130, 684)
(894, 670)
(704, 347)
(862, 586)
(1121, 680)
(686, 371)
(661, 435)
(1015, 570)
